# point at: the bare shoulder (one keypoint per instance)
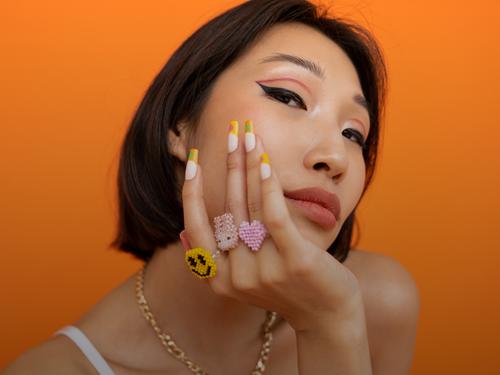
(382, 277)
(389, 290)
(56, 356)
(392, 303)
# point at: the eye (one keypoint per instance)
(283, 95)
(357, 137)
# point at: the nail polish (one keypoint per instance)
(192, 164)
(249, 136)
(232, 140)
(265, 166)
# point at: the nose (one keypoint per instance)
(328, 154)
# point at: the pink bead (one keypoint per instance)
(226, 233)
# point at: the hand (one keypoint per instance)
(289, 275)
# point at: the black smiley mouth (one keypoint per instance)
(201, 274)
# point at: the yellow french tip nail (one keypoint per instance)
(233, 127)
(193, 155)
(248, 126)
(265, 166)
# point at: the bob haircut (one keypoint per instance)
(149, 190)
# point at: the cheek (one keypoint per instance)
(354, 186)
(214, 178)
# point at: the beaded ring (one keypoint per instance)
(226, 233)
(201, 262)
(252, 234)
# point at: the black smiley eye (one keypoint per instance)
(192, 261)
(202, 260)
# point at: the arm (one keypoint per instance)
(392, 307)
(338, 348)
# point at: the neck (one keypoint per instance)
(186, 307)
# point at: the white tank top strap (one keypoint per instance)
(88, 349)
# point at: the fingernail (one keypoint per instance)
(232, 140)
(249, 136)
(184, 240)
(192, 164)
(265, 167)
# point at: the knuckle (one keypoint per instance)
(220, 288)
(253, 163)
(234, 204)
(233, 162)
(243, 284)
(269, 280)
(253, 207)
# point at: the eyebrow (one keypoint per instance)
(304, 63)
(314, 68)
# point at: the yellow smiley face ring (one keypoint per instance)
(201, 262)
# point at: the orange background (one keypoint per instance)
(72, 74)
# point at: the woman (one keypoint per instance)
(263, 111)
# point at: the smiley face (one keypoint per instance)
(201, 263)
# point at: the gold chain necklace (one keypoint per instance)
(174, 350)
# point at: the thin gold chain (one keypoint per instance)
(178, 353)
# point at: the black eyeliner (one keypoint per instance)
(274, 90)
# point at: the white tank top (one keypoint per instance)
(87, 348)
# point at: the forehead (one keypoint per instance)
(305, 42)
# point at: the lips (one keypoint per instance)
(317, 204)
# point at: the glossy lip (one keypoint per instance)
(319, 196)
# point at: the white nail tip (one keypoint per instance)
(265, 170)
(232, 142)
(190, 170)
(249, 141)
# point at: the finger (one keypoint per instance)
(235, 199)
(268, 259)
(275, 212)
(242, 264)
(196, 223)
(253, 151)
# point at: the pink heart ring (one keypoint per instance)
(252, 234)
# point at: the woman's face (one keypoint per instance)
(313, 144)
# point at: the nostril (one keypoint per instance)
(321, 166)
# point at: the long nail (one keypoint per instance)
(232, 140)
(265, 166)
(249, 136)
(192, 164)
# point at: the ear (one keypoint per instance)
(177, 144)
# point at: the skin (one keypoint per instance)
(306, 148)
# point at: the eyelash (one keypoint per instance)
(276, 92)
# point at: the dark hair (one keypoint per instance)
(150, 208)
